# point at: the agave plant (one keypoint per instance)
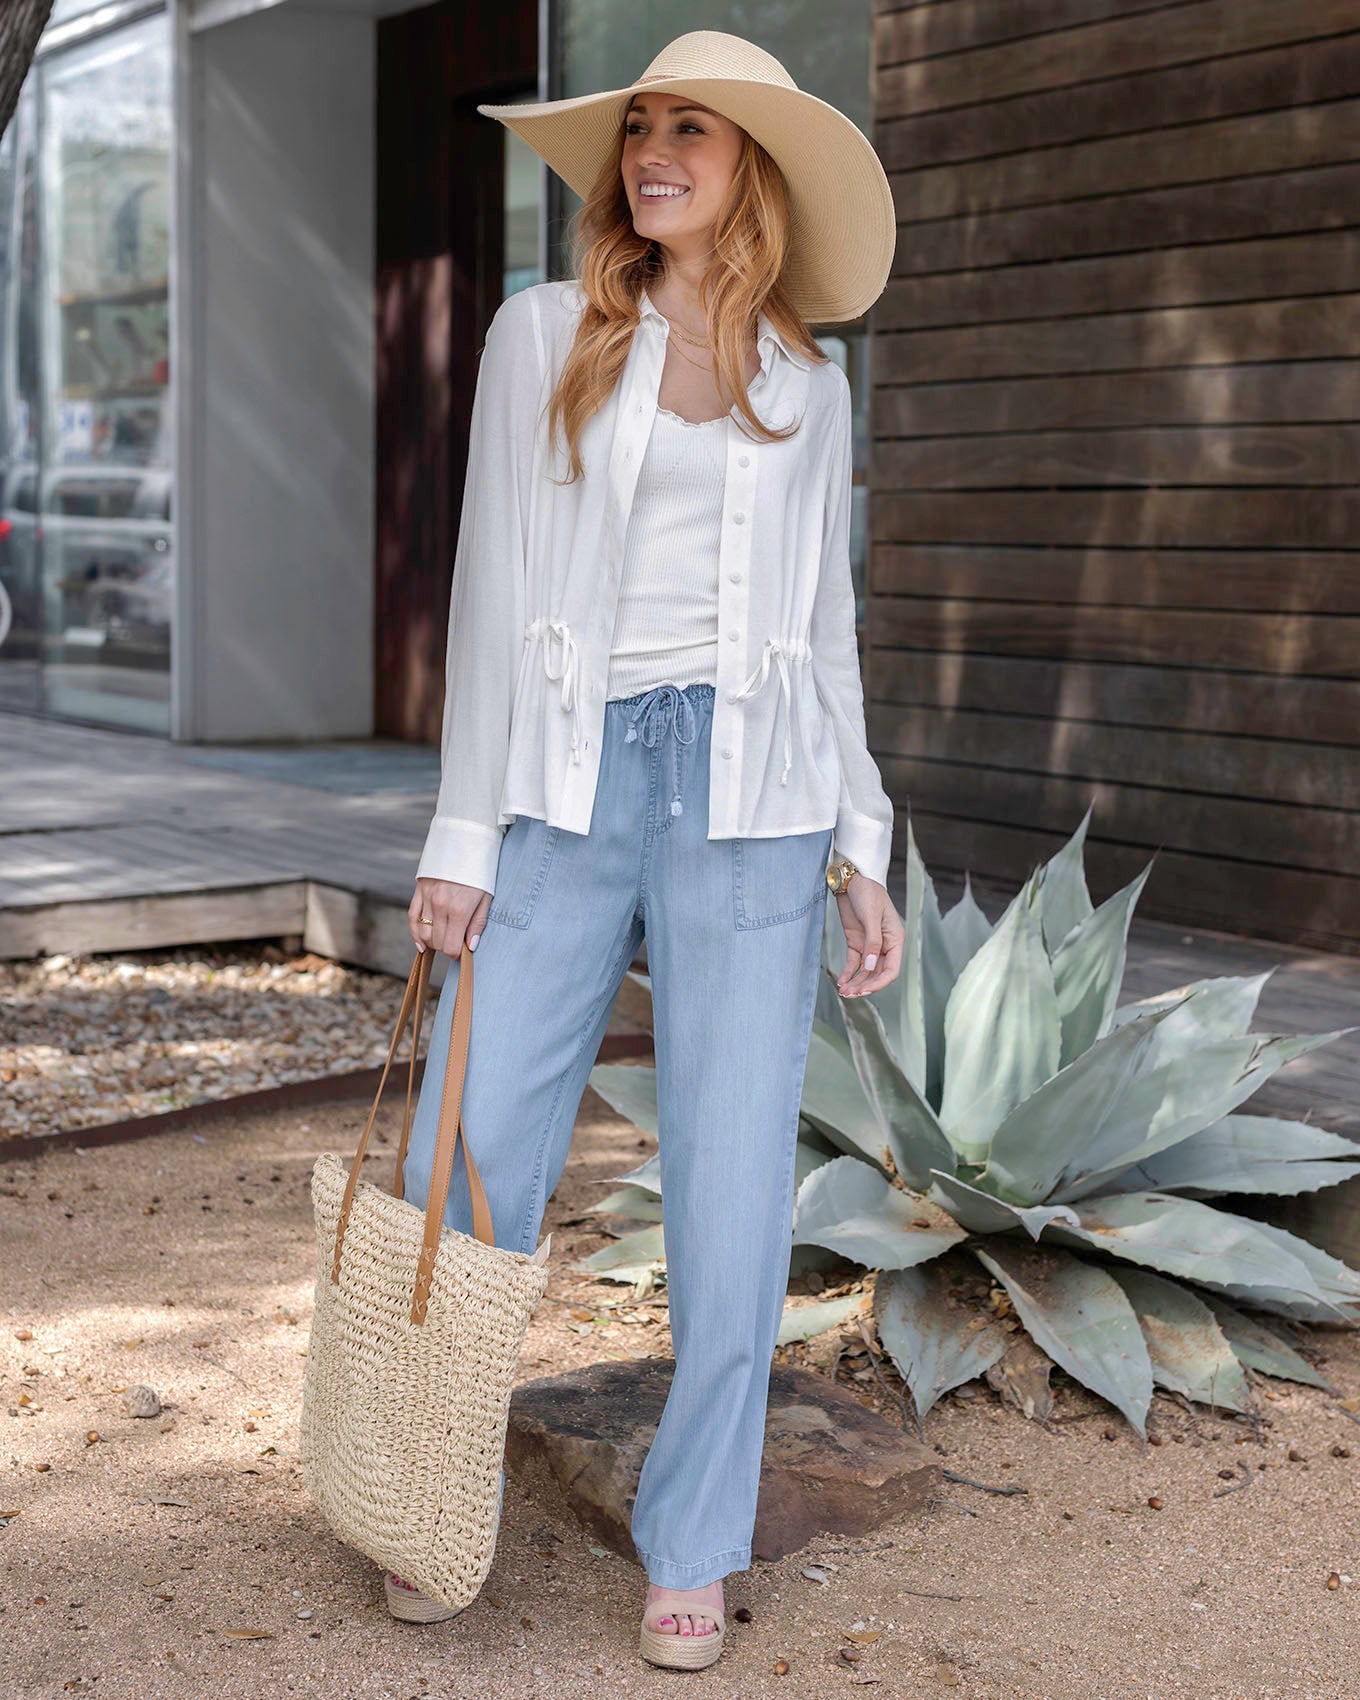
(997, 1103)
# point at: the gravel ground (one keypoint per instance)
(180, 1555)
(94, 1039)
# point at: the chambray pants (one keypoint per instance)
(733, 931)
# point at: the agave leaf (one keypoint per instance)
(647, 1175)
(1260, 1348)
(1002, 1032)
(636, 1201)
(1336, 1281)
(1079, 1315)
(807, 1156)
(936, 1341)
(911, 998)
(1181, 1236)
(964, 930)
(633, 1251)
(977, 1211)
(1164, 1105)
(1064, 900)
(1189, 1352)
(937, 981)
(1218, 1007)
(1088, 967)
(630, 1090)
(901, 1002)
(804, 1322)
(835, 1102)
(984, 1213)
(1246, 1153)
(907, 1123)
(851, 1209)
(1284, 1301)
(1057, 1124)
(829, 1007)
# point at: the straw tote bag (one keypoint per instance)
(415, 1337)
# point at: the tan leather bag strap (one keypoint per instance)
(450, 1125)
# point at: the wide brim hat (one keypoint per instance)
(844, 227)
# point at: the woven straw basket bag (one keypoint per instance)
(416, 1334)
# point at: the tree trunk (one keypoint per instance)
(21, 23)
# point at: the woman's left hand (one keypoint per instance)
(873, 937)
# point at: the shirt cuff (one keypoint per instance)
(865, 842)
(462, 850)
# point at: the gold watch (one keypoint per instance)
(839, 875)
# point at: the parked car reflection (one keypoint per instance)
(89, 567)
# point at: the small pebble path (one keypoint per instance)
(87, 1040)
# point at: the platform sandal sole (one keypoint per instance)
(683, 1652)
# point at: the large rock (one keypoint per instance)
(829, 1466)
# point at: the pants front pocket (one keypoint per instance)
(778, 879)
(526, 855)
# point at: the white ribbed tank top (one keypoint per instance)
(666, 626)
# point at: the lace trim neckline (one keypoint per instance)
(693, 424)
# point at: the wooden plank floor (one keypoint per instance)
(124, 827)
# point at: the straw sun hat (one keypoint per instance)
(844, 225)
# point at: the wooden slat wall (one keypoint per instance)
(1115, 515)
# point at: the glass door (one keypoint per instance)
(20, 581)
(103, 490)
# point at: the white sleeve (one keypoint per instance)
(486, 606)
(864, 819)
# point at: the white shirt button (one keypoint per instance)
(734, 636)
(743, 460)
(727, 754)
(731, 696)
(735, 577)
(738, 518)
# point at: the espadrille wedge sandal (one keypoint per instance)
(680, 1652)
(408, 1603)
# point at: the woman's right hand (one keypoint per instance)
(453, 909)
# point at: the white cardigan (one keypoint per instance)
(535, 590)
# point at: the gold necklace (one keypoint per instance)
(694, 341)
(703, 365)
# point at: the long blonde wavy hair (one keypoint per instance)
(614, 265)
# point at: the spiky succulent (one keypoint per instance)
(996, 1102)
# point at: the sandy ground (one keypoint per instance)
(181, 1555)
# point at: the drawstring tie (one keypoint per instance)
(780, 650)
(661, 704)
(568, 670)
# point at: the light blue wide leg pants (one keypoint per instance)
(733, 931)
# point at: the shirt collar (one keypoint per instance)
(765, 331)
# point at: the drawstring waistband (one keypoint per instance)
(569, 671)
(781, 650)
(658, 707)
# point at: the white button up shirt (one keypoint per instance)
(535, 587)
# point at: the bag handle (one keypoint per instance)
(450, 1125)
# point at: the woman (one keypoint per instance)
(654, 724)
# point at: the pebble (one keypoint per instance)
(99, 1039)
(140, 1401)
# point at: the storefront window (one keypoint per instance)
(99, 455)
(523, 214)
(827, 50)
(20, 583)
